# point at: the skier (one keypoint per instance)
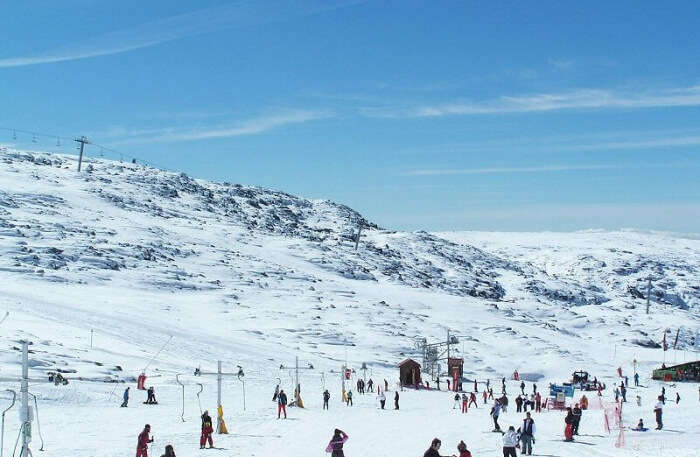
(640, 426)
(623, 391)
(495, 412)
(282, 404)
(658, 411)
(510, 440)
(464, 403)
(370, 384)
(142, 444)
(484, 395)
(569, 429)
(169, 451)
(462, 448)
(534, 388)
(490, 394)
(125, 398)
(476, 388)
(386, 385)
(472, 399)
(663, 394)
(448, 384)
(433, 449)
(277, 392)
(519, 404)
(335, 445)
(577, 418)
(522, 387)
(456, 403)
(584, 401)
(527, 434)
(326, 397)
(349, 398)
(396, 400)
(538, 403)
(207, 430)
(151, 400)
(639, 400)
(504, 403)
(617, 394)
(382, 399)
(636, 379)
(678, 398)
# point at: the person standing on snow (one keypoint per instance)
(659, 411)
(636, 380)
(382, 399)
(335, 446)
(538, 403)
(326, 397)
(386, 385)
(396, 400)
(510, 440)
(522, 387)
(527, 434)
(472, 399)
(484, 395)
(623, 391)
(519, 404)
(151, 400)
(277, 392)
(495, 412)
(207, 430)
(282, 404)
(678, 397)
(569, 429)
(125, 398)
(349, 396)
(370, 384)
(456, 403)
(464, 403)
(490, 394)
(143, 440)
(577, 418)
(169, 451)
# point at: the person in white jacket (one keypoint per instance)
(510, 440)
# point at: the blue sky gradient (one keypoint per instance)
(421, 115)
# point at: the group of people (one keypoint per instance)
(150, 397)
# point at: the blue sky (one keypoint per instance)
(450, 115)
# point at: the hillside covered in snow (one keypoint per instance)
(132, 255)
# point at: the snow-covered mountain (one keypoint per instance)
(255, 277)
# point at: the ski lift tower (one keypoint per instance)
(220, 424)
(297, 393)
(26, 412)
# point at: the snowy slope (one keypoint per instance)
(255, 277)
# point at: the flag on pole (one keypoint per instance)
(664, 341)
(676, 340)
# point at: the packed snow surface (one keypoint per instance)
(101, 268)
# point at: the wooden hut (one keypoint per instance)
(409, 373)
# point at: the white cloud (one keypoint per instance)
(239, 14)
(248, 127)
(500, 170)
(532, 103)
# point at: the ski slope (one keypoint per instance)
(131, 256)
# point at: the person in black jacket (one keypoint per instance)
(207, 430)
(396, 400)
(576, 412)
(433, 449)
(282, 404)
(169, 451)
(326, 397)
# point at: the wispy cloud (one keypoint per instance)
(252, 126)
(239, 14)
(501, 170)
(532, 103)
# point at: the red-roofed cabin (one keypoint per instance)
(409, 373)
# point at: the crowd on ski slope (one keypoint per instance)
(522, 438)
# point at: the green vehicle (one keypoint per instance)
(689, 371)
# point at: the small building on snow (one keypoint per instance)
(409, 372)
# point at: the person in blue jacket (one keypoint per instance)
(125, 398)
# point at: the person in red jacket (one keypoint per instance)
(207, 430)
(142, 445)
(472, 399)
(463, 451)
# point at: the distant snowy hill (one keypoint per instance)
(131, 256)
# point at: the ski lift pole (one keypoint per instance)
(240, 378)
(177, 379)
(201, 389)
(2, 428)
